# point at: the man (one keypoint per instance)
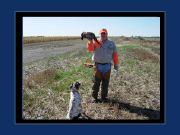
(104, 53)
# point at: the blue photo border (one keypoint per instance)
(8, 71)
(19, 59)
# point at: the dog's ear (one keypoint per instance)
(77, 85)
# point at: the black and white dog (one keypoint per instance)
(75, 108)
(89, 35)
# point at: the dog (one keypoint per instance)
(90, 36)
(75, 107)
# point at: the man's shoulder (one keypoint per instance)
(111, 42)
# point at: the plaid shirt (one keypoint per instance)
(104, 53)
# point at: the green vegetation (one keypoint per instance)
(138, 86)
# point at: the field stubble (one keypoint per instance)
(134, 95)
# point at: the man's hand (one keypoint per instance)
(116, 74)
(116, 71)
(90, 41)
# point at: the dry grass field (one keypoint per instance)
(39, 39)
(134, 95)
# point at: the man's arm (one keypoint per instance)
(116, 62)
(92, 45)
(115, 58)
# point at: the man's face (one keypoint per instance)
(104, 36)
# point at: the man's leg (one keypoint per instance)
(97, 81)
(105, 85)
(104, 91)
(95, 88)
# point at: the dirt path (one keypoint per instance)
(38, 51)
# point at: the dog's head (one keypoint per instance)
(75, 85)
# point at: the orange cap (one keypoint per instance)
(103, 30)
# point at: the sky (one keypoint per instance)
(74, 26)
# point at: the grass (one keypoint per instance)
(126, 46)
(66, 78)
(38, 39)
(39, 94)
(141, 62)
(134, 95)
